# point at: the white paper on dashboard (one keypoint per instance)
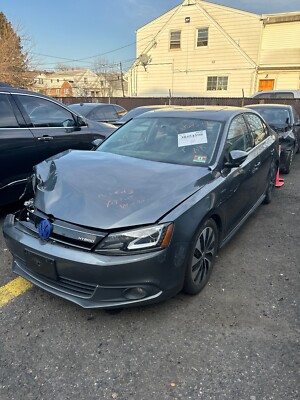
(192, 138)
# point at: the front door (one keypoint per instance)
(266, 84)
(241, 189)
(53, 126)
(18, 151)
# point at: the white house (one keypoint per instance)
(203, 49)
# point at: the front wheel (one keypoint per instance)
(202, 258)
(288, 162)
(297, 147)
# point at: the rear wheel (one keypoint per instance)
(202, 258)
(271, 184)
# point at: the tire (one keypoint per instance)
(271, 184)
(288, 162)
(298, 147)
(202, 258)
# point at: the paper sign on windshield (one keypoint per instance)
(192, 138)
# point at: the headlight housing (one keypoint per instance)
(139, 240)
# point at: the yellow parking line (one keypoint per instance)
(13, 289)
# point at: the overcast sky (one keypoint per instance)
(77, 33)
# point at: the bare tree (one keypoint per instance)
(14, 61)
(105, 71)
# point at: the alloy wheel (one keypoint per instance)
(202, 258)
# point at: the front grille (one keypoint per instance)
(62, 232)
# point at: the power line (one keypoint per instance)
(88, 58)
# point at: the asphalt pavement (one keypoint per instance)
(237, 340)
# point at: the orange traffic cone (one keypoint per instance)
(278, 181)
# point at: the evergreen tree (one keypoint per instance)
(13, 60)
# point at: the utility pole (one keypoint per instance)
(122, 83)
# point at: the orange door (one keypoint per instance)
(266, 84)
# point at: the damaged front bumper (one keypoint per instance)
(89, 279)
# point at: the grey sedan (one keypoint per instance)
(143, 216)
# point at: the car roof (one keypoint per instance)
(218, 113)
(151, 106)
(4, 84)
(92, 105)
(12, 89)
(268, 105)
(296, 92)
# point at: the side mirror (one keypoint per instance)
(79, 122)
(96, 143)
(236, 158)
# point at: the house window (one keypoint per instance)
(57, 92)
(85, 80)
(217, 83)
(66, 91)
(175, 40)
(202, 37)
(41, 81)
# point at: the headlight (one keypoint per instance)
(288, 133)
(137, 240)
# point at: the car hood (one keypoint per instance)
(104, 128)
(109, 191)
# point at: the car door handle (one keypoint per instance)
(256, 167)
(46, 138)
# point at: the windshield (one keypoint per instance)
(278, 116)
(169, 139)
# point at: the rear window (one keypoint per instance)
(7, 116)
(284, 95)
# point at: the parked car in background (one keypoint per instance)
(138, 111)
(163, 193)
(278, 94)
(285, 121)
(101, 112)
(34, 127)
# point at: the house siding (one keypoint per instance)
(280, 55)
(240, 46)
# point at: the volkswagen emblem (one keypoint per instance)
(44, 229)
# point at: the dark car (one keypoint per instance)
(34, 127)
(100, 112)
(142, 217)
(285, 121)
(277, 94)
(137, 111)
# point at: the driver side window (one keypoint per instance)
(239, 138)
(257, 127)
